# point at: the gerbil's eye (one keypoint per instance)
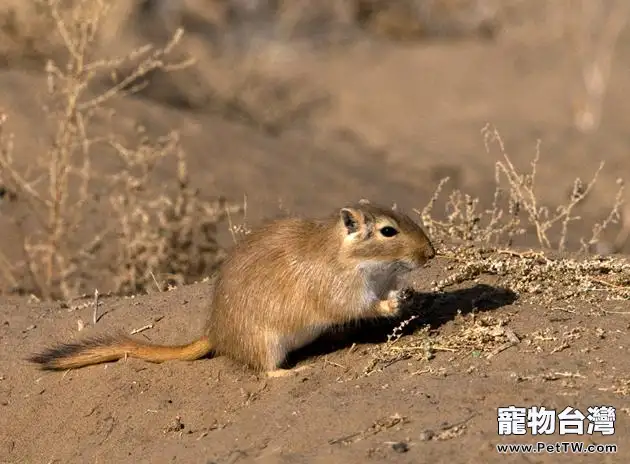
(388, 231)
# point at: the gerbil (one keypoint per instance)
(282, 286)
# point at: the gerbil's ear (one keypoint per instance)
(352, 219)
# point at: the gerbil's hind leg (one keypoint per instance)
(276, 353)
(276, 373)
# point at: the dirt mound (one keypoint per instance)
(354, 403)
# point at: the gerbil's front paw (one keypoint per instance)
(392, 305)
(389, 307)
(396, 301)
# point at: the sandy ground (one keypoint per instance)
(395, 119)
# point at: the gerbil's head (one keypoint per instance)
(378, 234)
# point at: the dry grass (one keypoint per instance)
(516, 208)
(155, 230)
(171, 235)
(551, 280)
(243, 53)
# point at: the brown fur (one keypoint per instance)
(282, 286)
(104, 349)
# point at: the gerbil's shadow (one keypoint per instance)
(432, 309)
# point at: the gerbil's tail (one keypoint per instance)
(112, 348)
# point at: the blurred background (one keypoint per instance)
(302, 105)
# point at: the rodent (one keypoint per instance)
(282, 286)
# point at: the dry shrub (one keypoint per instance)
(154, 229)
(246, 67)
(245, 49)
(172, 236)
(249, 69)
(24, 33)
(29, 34)
(405, 20)
(268, 103)
(515, 208)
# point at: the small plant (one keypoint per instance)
(154, 230)
(515, 207)
(171, 235)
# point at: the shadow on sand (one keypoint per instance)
(432, 309)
